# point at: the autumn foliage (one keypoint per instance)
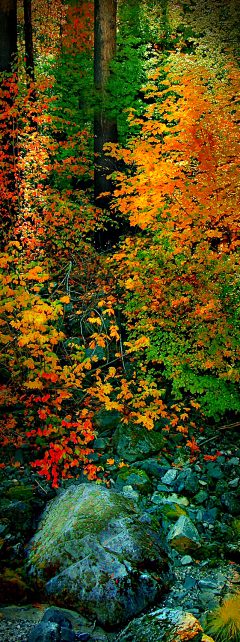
(149, 328)
(180, 278)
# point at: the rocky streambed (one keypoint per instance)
(161, 542)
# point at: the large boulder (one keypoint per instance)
(163, 625)
(99, 553)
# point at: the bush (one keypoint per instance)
(224, 623)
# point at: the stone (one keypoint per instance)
(183, 536)
(209, 515)
(161, 625)
(18, 512)
(130, 493)
(57, 615)
(230, 501)
(98, 556)
(234, 461)
(163, 489)
(45, 632)
(214, 470)
(186, 559)
(107, 419)
(134, 442)
(100, 443)
(138, 479)
(152, 467)
(172, 511)
(159, 498)
(189, 582)
(169, 476)
(209, 600)
(233, 483)
(205, 584)
(201, 497)
(191, 483)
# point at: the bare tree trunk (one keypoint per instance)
(105, 129)
(8, 141)
(28, 39)
(8, 33)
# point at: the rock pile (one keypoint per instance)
(169, 512)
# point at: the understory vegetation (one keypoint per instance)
(134, 308)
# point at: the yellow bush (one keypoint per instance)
(224, 623)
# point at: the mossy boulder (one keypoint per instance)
(96, 553)
(133, 442)
(163, 625)
(138, 479)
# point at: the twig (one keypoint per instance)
(40, 486)
(220, 428)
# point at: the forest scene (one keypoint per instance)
(120, 320)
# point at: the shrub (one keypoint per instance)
(224, 623)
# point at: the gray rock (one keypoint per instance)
(214, 471)
(231, 502)
(186, 560)
(100, 443)
(58, 616)
(130, 493)
(209, 600)
(98, 554)
(233, 483)
(159, 498)
(162, 625)
(189, 582)
(201, 497)
(191, 483)
(169, 476)
(134, 442)
(209, 515)
(107, 419)
(163, 489)
(152, 467)
(183, 536)
(208, 584)
(45, 632)
(234, 461)
(138, 479)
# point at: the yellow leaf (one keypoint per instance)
(95, 320)
(65, 299)
(110, 461)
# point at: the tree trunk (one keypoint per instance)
(28, 39)
(105, 129)
(8, 33)
(8, 49)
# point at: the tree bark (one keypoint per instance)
(8, 49)
(105, 129)
(28, 39)
(8, 33)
